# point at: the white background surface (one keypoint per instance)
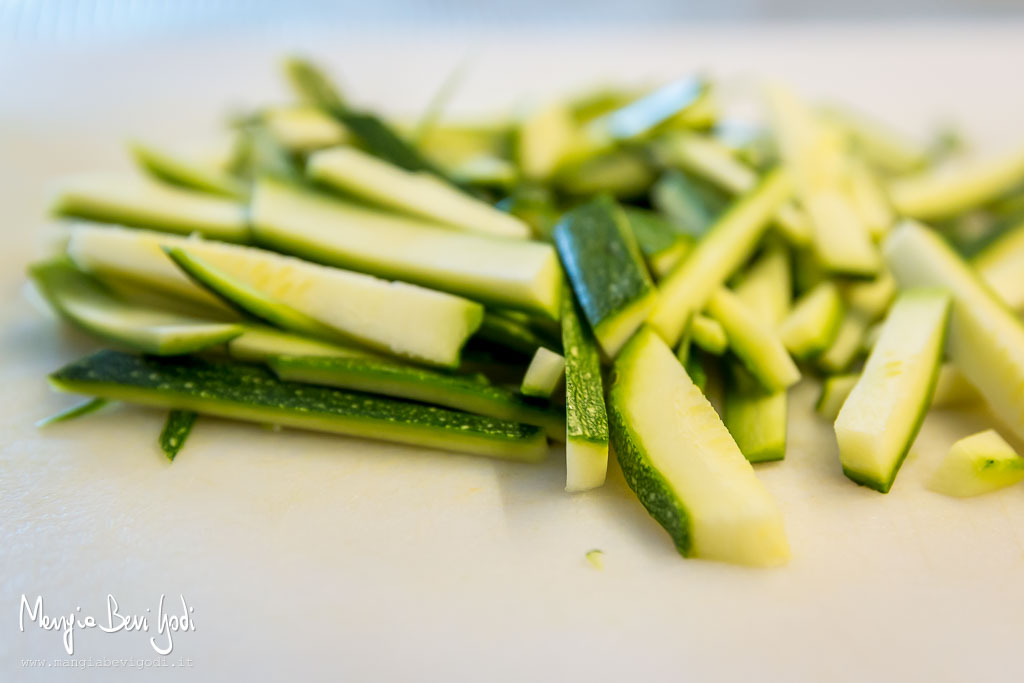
(310, 555)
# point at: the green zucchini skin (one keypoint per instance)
(661, 244)
(254, 394)
(512, 334)
(606, 270)
(419, 384)
(78, 410)
(586, 418)
(176, 430)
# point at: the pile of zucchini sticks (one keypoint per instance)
(625, 271)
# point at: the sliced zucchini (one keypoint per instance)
(834, 390)
(86, 407)
(415, 193)
(176, 430)
(727, 245)
(645, 114)
(189, 173)
(767, 286)
(883, 147)
(945, 192)
(688, 209)
(381, 376)
(708, 334)
(696, 367)
(513, 334)
(302, 128)
(683, 465)
(977, 464)
(870, 298)
(754, 342)
(144, 203)
(869, 199)
(258, 344)
(662, 245)
(986, 340)
(952, 388)
(544, 374)
(252, 393)
(848, 343)
(586, 443)
(814, 322)
(883, 413)
(755, 417)
(814, 153)
(544, 138)
(513, 273)
(394, 317)
(708, 158)
(88, 304)
(620, 172)
(606, 271)
(1001, 265)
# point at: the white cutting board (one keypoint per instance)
(309, 555)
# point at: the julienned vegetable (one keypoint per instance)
(680, 460)
(254, 394)
(880, 418)
(587, 238)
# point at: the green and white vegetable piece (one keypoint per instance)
(145, 203)
(514, 273)
(952, 389)
(417, 193)
(544, 373)
(834, 391)
(767, 286)
(755, 417)
(880, 418)
(944, 192)
(1001, 264)
(586, 443)
(685, 468)
(814, 155)
(80, 409)
(846, 346)
(179, 169)
(812, 325)
(88, 304)
(986, 340)
(393, 317)
(251, 393)
(754, 342)
(725, 248)
(381, 376)
(662, 245)
(545, 137)
(302, 128)
(606, 270)
(176, 430)
(977, 464)
(258, 344)
(708, 334)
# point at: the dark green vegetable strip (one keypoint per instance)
(607, 272)
(511, 334)
(78, 410)
(176, 430)
(255, 394)
(691, 209)
(586, 418)
(376, 136)
(419, 384)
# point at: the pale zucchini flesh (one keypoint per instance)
(846, 346)
(417, 193)
(258, 344)
(514, 273)
(384, 377)
(945, 192)
(812, 325)
(543, 140)
(178, 169)
(708, 334)
(254, 394)
(834, 390)
(756, 418)
(544, 374)
(302, 128)
(728, 245)
(586, 449)
(685, 468)
(978, 464)
(144, 203)
(89, 305)
(986, 339)
(883, 413)
(606, 271)
(767, 286)
(754, 342)
(1001, 265)
(393, 317)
